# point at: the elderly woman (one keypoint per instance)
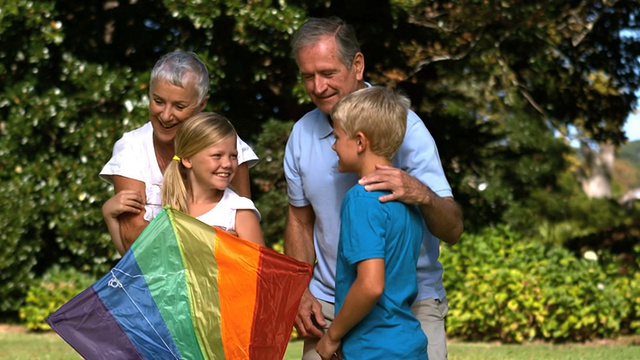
(178, 89)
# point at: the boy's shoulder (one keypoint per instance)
(358, 191)
(358, 197)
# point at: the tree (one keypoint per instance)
(486, 75)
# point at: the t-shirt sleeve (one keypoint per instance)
(125, 161)
(246, 154)
(362, 231)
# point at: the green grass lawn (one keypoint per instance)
(21, 345)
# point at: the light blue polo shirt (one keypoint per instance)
(311, 170)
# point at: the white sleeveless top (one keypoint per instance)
(223, 215)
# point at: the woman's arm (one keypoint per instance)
(240, 182)
(131, 224)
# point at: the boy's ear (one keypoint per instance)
(361, 141)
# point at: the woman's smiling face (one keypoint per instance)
(170, 106)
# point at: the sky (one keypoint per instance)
(632, 127)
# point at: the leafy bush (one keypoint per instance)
(56, 288)
(18, 245)
(501, 287)
(581, 299)
(627, 285)
(268, 176)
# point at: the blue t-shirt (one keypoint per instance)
(311, 170)
(391, 231)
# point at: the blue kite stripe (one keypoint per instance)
(87, 325)
(141, 320)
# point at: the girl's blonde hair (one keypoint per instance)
(199, 132)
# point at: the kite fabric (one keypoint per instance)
(185, 290)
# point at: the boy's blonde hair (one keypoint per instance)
(379, 113)
(199, 132)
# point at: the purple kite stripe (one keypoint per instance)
(102, 322)
(141, 321)
(87, 325)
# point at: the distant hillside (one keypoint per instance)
(626, 169)
(631, 153)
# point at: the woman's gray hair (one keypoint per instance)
(173, 67)
(315, 28)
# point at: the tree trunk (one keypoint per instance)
(595, 175)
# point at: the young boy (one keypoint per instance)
(379, 242)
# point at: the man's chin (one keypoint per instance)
(325, 105)
(325, 108)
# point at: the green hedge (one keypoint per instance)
(54, 290)
(503, 287)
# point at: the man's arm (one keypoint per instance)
(131, 224)
(442, 214)
(298, 233)
(298, 243)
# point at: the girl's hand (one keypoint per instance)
(125, 201)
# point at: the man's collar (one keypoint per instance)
(325, 128)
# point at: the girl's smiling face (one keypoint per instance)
(214, 167)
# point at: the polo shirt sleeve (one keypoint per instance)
(418, 156)
(292, 174)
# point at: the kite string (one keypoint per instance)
(115, 283)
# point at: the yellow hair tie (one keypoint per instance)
(176, 157)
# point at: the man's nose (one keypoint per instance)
(320, 84)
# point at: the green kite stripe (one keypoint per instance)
(160, 263)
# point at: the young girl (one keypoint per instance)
(197, 181)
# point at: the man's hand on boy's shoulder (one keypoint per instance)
(403, 187)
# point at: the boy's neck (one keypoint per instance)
(369, 162)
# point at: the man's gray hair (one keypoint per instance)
(316, 28)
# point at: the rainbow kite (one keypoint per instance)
(185, 290)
